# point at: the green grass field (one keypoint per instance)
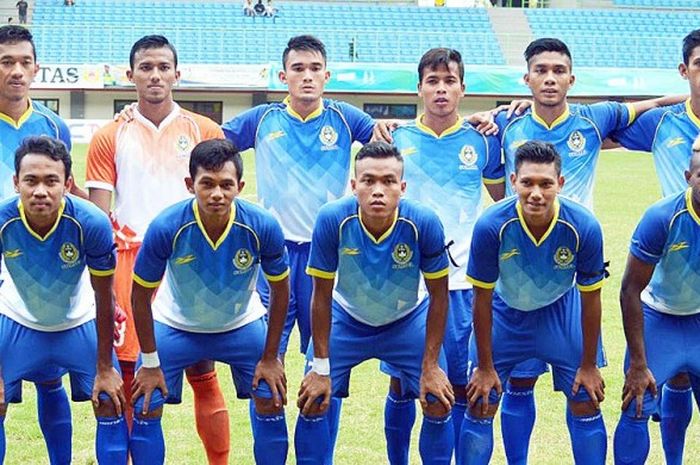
(625, 186)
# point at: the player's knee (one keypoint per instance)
(152, 413)
(475, 411)
(680, 381)
(155, 407)
(460, 392)
(395, 386)
(105, 407)
(523, 383)
(200, 368)
(583, 408)
(50, 383)
(435, 409)
(264, 406)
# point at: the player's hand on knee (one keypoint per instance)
(637, 380)
(272, 371)
(145, 382)
(483, 380)
(383, 129)
(110, 382)
(591, 380)
(314, 394)
(434, 381)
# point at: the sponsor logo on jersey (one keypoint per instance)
(517, 143)
(408, 151)
(675, 141)
(69, 254)
(678, 246)
(576, 142)
(468, 157)
(510, 254)
(185, 259)
(402, 255)
(328, 138)
(12, 253)
(563, 257)
(243, 259)
(275, 135)
(350, 251)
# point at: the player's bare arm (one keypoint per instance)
(269, 367)
(316, 385)
(383, 129)
(588, 375)
(496, 191)
(645, 105)
(101, 197)
(638, 377)
(108, 379)
(147, 379)
(484, 378)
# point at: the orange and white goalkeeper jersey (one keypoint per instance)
(145, 166)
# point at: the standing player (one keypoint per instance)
(531, 248)
(21, 117)
(143, 160)
(445, 162)
(577, 132)
(661, 310)
(368, 253)
(209, 249)
(47, 306)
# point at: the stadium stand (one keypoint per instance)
(217, 32)
(687, 4)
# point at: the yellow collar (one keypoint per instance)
(23, 217)
(312, 115)
(25, 116)
(452, 129)
(386, 233)
(556, 122)
(693, 117)
(689, 205)
(223, 236)
(546, 234)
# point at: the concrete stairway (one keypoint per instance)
(513, 33)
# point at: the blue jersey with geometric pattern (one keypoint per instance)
(300, 164)
(529, 274)
(668, 133)
(47, 286)
(577, 134)
(36, 121)
(668, 236)
(378, 281)
(445, 173)
(209, 287)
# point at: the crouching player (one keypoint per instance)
(532, 248)
(376, 306)
(48, 303)
(660, 301)
(208, 251)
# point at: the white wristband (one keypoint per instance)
(322, 366)
(150, 360)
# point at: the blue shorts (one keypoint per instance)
(241, 348)
(400, 344)
(301, 286)
(672, 345)
(552, 334)
(39, 356)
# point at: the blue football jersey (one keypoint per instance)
(300, 164)
(527, 273)
(578, 135)
(445, 173)
(36, 121)
(378, 281)
(668, 133)
(47, 286)
(668, 236)
(209, 287)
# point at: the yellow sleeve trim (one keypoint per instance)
(437, 274)
(481, 284)
(276, 278)
(494, 181)
(632, 112)
(144, 283)
(101, 273)
(319, 273)
(591, 287)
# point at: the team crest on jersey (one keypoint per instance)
(69, 254)
(563, 257)
(402, 255)
(243, 260)
(576, 142)
(183, 143)
(468, 157)
(328, 138)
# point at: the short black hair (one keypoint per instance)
(546, 44)
(438, 57)
(378, 149)
(306, 43)
(12, 34)
(212, 155)
(149, 42)
(537, 151)
(55, 149)
(690, 42)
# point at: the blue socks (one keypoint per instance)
(333, 415)
(475, 441)
(437, 440)
(147, 445)
(399, 416)
(589, 439)
(517, 421)
(112, 441)
(55, 422)
(2, 439)
(271, 442)
(631, 441)
(676, 411)
(311, 440)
